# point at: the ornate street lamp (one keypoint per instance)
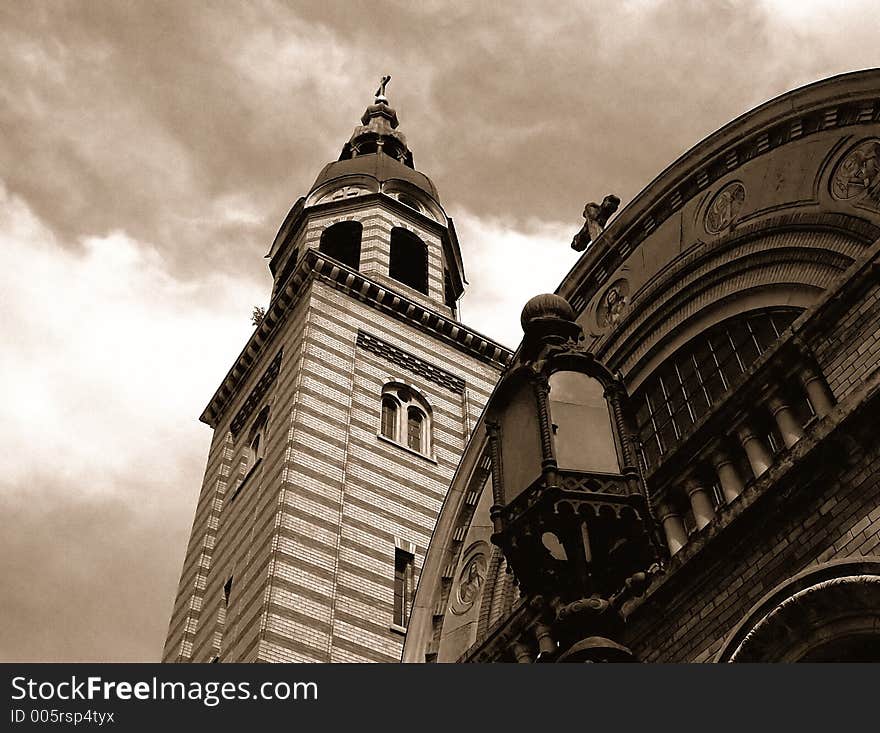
(570, 510)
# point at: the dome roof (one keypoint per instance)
(377, 149)
(376, 165)
(546, 306)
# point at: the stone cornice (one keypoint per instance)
(663, 291)
(840, 102)
(314, 265)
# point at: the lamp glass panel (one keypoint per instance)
(583, 432)
(520, 442)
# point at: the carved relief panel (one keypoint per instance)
(857, 173)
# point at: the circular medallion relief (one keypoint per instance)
(470, 583)
(725, 207)
(613, 304)
(857, 172)
(343, 193)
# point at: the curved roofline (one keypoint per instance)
(822, 93)
(378, 165)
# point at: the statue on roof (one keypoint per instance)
(596, 216)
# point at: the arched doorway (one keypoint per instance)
(830, 613)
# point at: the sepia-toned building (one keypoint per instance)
(339, 427)
(711, 485)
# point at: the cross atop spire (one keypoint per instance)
(378, 131)
(380, 92)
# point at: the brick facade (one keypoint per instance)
(292, 556)
(763, 480)
(820, 504)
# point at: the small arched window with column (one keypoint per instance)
(406, 418)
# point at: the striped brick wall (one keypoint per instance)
(308, 534)
(350, 496)
(227, 532)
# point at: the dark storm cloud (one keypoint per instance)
(149, 152)
(146, 114)
(88, 580)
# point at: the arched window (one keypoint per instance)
(257, 438)
(415, 419)
(406, 418)
(389, 417)
(342, 242)
(696, 376)
(409, 260)
(409, 201)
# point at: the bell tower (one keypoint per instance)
(339, 427)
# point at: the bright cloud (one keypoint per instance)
(107, 361)
(505, 267)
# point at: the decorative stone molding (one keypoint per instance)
(857, 173)
(613, 304)
(759, 132)
(724, 208)
(713, 274)
(471, 579)
(402, 358)
(257, 393)
(808, 610)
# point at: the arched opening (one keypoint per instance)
(829, 613)
(577, 401)
(415, 419)
(342, 242)
(406, 418)
(686, 385)
(409, 260)
(389, 417)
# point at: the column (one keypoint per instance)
(756, 451)
(817, 390)
(546, 645)
(673, 527)
(789, 427)
(729, 478)
(522, 652)
(701, 502)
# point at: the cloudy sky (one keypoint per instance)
(149, 152)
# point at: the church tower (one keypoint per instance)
(339, 427)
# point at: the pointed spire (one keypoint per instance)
(378, 132)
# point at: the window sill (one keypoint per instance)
(251, 471)
(398, 629)
(409, 450)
